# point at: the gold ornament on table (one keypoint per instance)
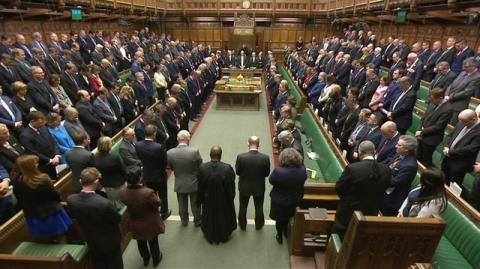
(240, 78)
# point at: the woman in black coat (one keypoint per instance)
(130, 111)
(110, 166)
(287, 192)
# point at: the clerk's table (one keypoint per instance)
(238, 93)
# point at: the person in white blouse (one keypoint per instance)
(160, 83)
(427, 199)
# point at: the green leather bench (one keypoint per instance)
(124, 77)
(115, 150)
(78, 252)
(460, 244)
(422, 97)
(328, 164)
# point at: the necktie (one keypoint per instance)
(383, 147)
(456, 82)
(398, 99)
(457, 139)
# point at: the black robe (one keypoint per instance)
(216, 193)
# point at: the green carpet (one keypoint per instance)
(185, 247)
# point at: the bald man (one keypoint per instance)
(462, 147)
(386, 149)
(252, 167)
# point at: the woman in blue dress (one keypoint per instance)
(39, 200)
(58, 131)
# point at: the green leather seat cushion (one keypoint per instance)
(463, 234)
(337, 242)
(447, 257)
(78, 252)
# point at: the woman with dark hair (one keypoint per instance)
(287, 192)
(39, 199)
(377, 97)
(428, 199)
(143, 219)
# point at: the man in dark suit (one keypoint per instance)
(463, 88)
(431, 61)
(172, 121)
(242, 61)
(431, 129)
(350, 122)
(342, 72)
(252, 167)
(368, 89)
(254, 62)
(185, 160)
(7, 74)
(414, 70)
(444, 76)
(373, 135)
(39, 90)
(127, 151)
(10, 115)
(69, 82)
(360, 187)
(21, 43)
(21, 67)
(99, 220)
(281, 98)
(288, 141)
(449, 53)
(141, 91)
(461, 149)
(404, 169)
(397, 62)
(79, 158)
(105, 112)
(154, 159)
(89, 118)
(463, 52)
(51, 62)
(36, 139)
(97, 55)
(108, 78)
(386, 148)
(358, 77)
(401, 108)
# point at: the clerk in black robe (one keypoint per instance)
(216, 193)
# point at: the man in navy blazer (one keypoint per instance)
(401, 108)
(10, 115)
(154, 159)
(404, 169)
(463, 52)
(386, 148)
(373, 135)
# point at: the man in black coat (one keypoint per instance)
(401, 108)
(21, 67)
(444, 76)
(90, 120)
(449, 53)
(462, 147)
(373, 135)
(39, 90)
(69, 82)
(79, 158)
(414, 70)
(397, 62)
(252, 167)
(154, 159)
(430, 62)
(171, 120)
(51, 62)
(366, 92)
(99, 220)
(7, 74)
(357, 78)
(36, 139)
(360, 187)
(431, 129)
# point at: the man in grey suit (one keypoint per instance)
(79, 158)
(252, 167)
(128, 154)
(185, 161)
(458, 94)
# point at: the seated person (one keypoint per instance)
(428, 199)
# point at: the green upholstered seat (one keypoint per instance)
(467, 187)
(328, 162)
(291, 85)
(415, 123)
(464, 236)
(78, 252)
(382, 73)
(422, 98)
(115, 150)
(124, 77)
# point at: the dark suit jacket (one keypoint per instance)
(367, 91)
(358, 79)
(360, 187)
(141, 93)
(78, 158)
(403, 173)
(252, 167)
(400, 64)
(447, 56)
(128, 154)
(42, 96)
(6, 79)
(107, 77)
(464, 154)
(5, 117)
(386, 149)
(9, 156)
(373, 136)
(99, 220)
(71, 88)
(43, 145)
(342, 73)
(434, 122)
(402, 114)
(461, 94)
(459, 58)
(416, 76)
(89, 119)
(53, 67)
(154, 159)
(443, 81)
(113, 175)
(22, 71)
(40, 202)
(287, 185)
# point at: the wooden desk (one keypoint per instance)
(247, 72)
(238, 100)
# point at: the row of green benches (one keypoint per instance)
(460, 244)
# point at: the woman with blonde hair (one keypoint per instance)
(130, 110)
(110, 166)
(22, 100)
(39, 199)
